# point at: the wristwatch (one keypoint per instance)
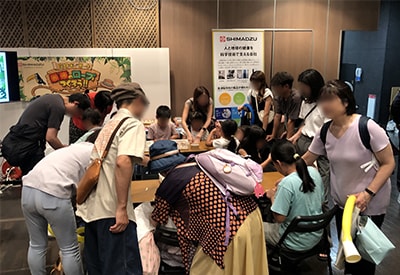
(204, 129)
(372, 194)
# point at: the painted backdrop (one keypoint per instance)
(68, 75)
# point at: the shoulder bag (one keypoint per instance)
(261, 113)
(91, 176)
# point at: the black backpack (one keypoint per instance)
(362, 129)
(21, 143)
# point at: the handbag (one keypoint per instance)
(261, 113)
(372, 244)
(91, 176)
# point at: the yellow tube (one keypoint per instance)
(350, 251)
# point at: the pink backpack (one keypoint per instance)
(232, 174)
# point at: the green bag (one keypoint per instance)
(372, 244)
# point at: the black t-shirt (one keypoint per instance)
(44, 112)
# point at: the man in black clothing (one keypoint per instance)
(25, 144)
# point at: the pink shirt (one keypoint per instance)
(156, 132)
(346, 155)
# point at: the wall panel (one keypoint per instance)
(292, 52)
(187, 32)
(79, 23)
(327, 18)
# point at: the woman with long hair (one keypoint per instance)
(310, 83)
(261, 98)
(200, 102)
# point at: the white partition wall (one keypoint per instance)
(149, 67)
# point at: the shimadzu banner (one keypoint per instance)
(236, 55)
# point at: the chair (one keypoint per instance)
(282, 259)
(168, 236)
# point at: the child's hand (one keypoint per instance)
(196, 140)
(271, 193)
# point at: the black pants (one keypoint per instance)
(107, 253)
(363, 267)
(28, 163)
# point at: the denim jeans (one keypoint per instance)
(107, 253)
(41, 209)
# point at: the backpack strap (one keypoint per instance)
(324, 131)
(362, 129)
(364, 133)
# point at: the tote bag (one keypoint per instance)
(372, 244)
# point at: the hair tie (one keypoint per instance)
(296, 156)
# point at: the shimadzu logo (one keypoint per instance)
(241, 38)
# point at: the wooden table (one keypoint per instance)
(197, 149)
(144, 190)
(194, 149)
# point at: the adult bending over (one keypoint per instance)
(287, 103)
(25, 144)
(198, 209)
(347, 155)
(111, 244)
(200, 102)
(100, 101)
(46, 199)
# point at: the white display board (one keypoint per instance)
(149, 67)
(236, 55)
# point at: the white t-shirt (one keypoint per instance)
(254, 93)
(314, 121)
(60, 171)
(223, 143)
(130, 140)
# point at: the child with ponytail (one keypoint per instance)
(226, 131)
(299, 193)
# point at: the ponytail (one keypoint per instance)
(285, 152)
(232, 145)
(229, 128)
(308, 184)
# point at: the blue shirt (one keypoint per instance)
(290, 201)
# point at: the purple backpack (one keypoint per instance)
(232, 174)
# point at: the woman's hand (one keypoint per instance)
(293, 139)
(240, 108)
(190, 138)
(363, 198)
(197, 139)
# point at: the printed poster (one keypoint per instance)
(69, 75)
(236, 55)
